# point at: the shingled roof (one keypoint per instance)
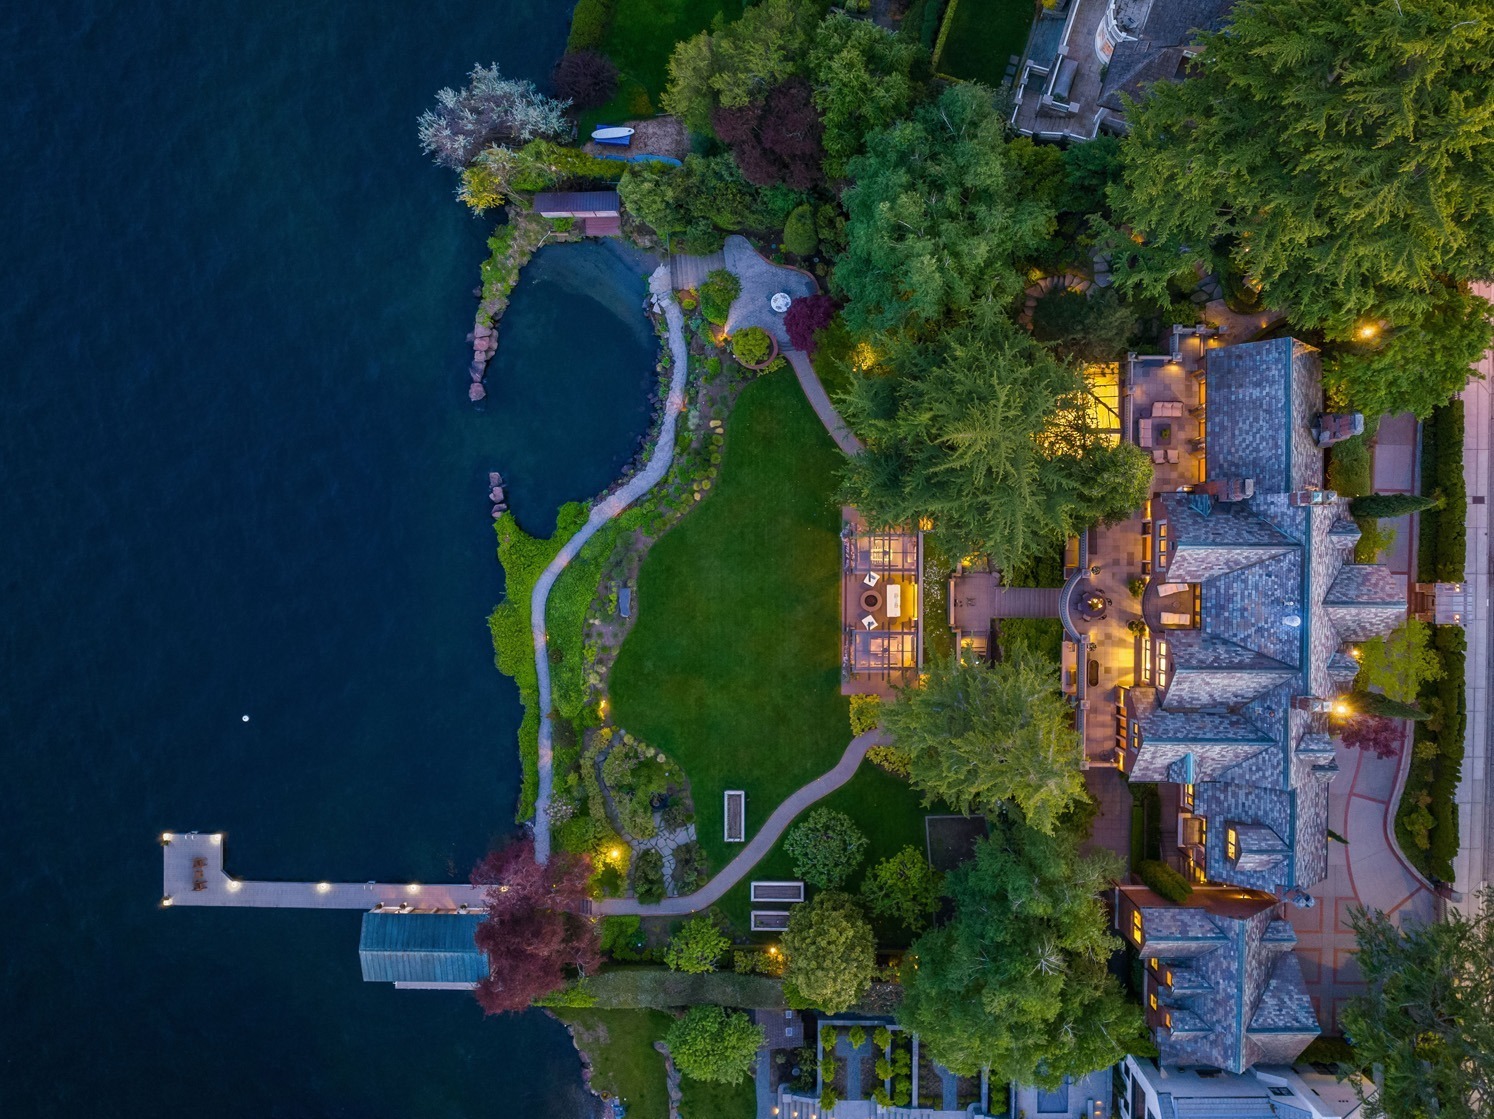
(1236, 995)
(1164, 31)
(1279, 598)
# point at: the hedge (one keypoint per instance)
(621, 988)
(1443, 546)
(1161, 879)
(1426, 820)
(589, 24)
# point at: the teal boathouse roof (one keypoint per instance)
(421, 949)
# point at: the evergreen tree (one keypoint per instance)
(1391, 504)
(831, 953)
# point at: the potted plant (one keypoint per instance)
(754, 347)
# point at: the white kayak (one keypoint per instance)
(612, 135)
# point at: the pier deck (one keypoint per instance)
(193, 859)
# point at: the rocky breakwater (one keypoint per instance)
(484, 339)
(495, 490)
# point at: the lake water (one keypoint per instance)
(240, 475)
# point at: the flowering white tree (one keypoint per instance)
(491, 110)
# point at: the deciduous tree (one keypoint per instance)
(904, 887)
(1399, 664)
(1017, 980)
(826, 847)
(938, 215)
(775, 139)
(806, 317)
(696, 947)
(491, 110)
(710, 1043)
(1374, 734)
(533, 933)
(982, 738)
(864, 80)
(585, 78)
(831, 954)
(1426, 1019)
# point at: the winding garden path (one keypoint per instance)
(605, 510)
(760, 844)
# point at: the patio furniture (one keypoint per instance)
(1176, 618)
(869, 622)
(894, 600)
(872, 579)
(1172, 455)
(1159, 455)
(1171, 588)
(1168, 409)
(1147, 433)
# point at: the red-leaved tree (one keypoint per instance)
(805, 318)
(776, 140)
(1380, 736)
(586, 78)
(534, 932)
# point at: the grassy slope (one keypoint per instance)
(640, 40)
(624, 1061)
(884, 808)
(702, 1100)
(985, 33)
(734, 664)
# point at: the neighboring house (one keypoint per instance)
(422, 951)
(1084, 55)
(1235, 703)
(1222, 987)
(1145, 1091)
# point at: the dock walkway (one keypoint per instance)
(193, 858)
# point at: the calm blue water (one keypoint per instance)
(238, 474)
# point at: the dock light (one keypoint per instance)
(234, 885)
(165, 838)
(324, 887)
(217, 838)
(166, 901)
(1368, 331)
(413, 888)
(503, 889)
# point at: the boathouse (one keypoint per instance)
(422, 951)
(598, 211)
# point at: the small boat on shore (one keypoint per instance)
(612, 134)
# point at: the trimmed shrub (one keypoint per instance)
(1161, 879)
(648, 876)
(866, 713)
(751, 346)
(856, 1036)
(882, 1038)
(717, 293)
(589, 24)
(1391, 504)
(799, 236)
(1443, 541)
(1373, 703)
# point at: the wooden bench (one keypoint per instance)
(769, 920)
(736, 815)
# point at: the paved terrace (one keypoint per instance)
(191, 858)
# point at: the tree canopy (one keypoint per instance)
(988, 434)
(1343, 153)
(1017, 980)
(826, 847)
(490, 109)
(710, 1043)
(533, 933)
(904, 887)
(830, 952)
(1399, 664)
(865, 78)
(981, 737)
(1427, 1016)
(938, 215)
(701, 199)
(696, 947)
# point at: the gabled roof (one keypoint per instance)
(1263, 399)
(1158, 51)
(421, 948)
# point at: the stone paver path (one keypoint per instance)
(645, 480)
(759, 845)
(819, 400)
(853, 1063)
(664, 841)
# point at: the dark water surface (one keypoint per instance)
(238, 474)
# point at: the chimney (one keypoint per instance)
(1311, 497)
(1228, 489)
(1335, 427)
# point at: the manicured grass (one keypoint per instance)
(640, 40)
(884, 807)
(733, 667)
(700, 1099)
(982, 35)
(624, 1061)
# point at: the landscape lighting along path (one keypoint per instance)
(652, 474)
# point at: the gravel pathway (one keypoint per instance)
(760, 844)
(605, 510)
(761, 280)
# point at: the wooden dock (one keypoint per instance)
(193, 874)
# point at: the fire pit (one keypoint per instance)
(1090, 604)
(870, 600)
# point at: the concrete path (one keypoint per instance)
(1471, 869)
(760, 844)
(819, 400)
(645, 480)
(762, 1080)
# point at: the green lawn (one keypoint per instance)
(640, 40)
(982, 36)
(700, 1099)
(733, 666)
(884, 807)
(624, 1061)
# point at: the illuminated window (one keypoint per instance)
(1153, 1000)
(1167, 977)
(1146, 660)
(1161, 544)
(1167, 1019)
(1188, 797)
(1136, 926)
(1161, 662)
(1231, 845)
